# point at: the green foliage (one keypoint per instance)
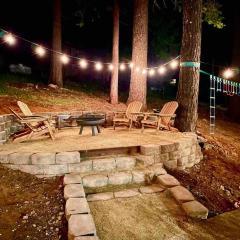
(212, 13)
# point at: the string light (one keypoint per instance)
(228, 73)
(151, 72)
(174, 64)
(83, 63)
(110, 67)
(9, 39)
(98, 66)
(64, 59)
(131, 65)
(122, 67)
(40, 51)
(161, 70)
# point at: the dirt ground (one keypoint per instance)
(158, 217)
(30, 208)
(215, 181)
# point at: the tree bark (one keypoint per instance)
(188, 87)
(56, 65)
(138, 82)
(115, 54)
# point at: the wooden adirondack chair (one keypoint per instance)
(129, 117)
(162, 120)
(35, 126)
(27, 113)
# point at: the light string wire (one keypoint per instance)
(88, 60)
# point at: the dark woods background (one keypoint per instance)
(87, 32)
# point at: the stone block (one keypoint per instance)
(100, 196)
(186, 152)
(95, 181)
(3, 135)
(126, 193)
(181, 194)
(146, 160)
(164, 157)
(76, 206)
(106, 164)
(72, 178)
(55, 169)
(174, 155)
(171, 164)
(168, 180)
(182, 161)
(67, 157)
(87, 238)
(4, 158)
(191, 158)
(195, 209)
(119, 178)
(43, 158)
(150, 149)
(20, 158)
(125, 163)
(138, 176)
(151, 189)
(167, 147)
(82, 167)
(157, 169)
(80, 225)
(32, 169)
(158, 158)
(189, 164)
(74, 191)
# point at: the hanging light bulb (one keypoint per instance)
(174, 64)
(9, 39)
(83, 63)
(161, 70)
(64, 59)
(131, 65)
(40, 51)
(151, 72)
(122, 67)
(110, 67)
(144, 71)
(228, 73)
(98, 66)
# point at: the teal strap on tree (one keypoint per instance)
(190, 64)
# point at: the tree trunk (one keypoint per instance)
(56, 65)
(188, 87)
(234, 101)
(115, 54)
(138, 83)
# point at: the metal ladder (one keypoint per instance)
(212, 112)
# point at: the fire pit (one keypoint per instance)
(93, 120)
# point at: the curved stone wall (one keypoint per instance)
(183, 153)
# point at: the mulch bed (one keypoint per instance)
(31, 208)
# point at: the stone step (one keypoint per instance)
(125, 193)
(103, 164)
(117, 177)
